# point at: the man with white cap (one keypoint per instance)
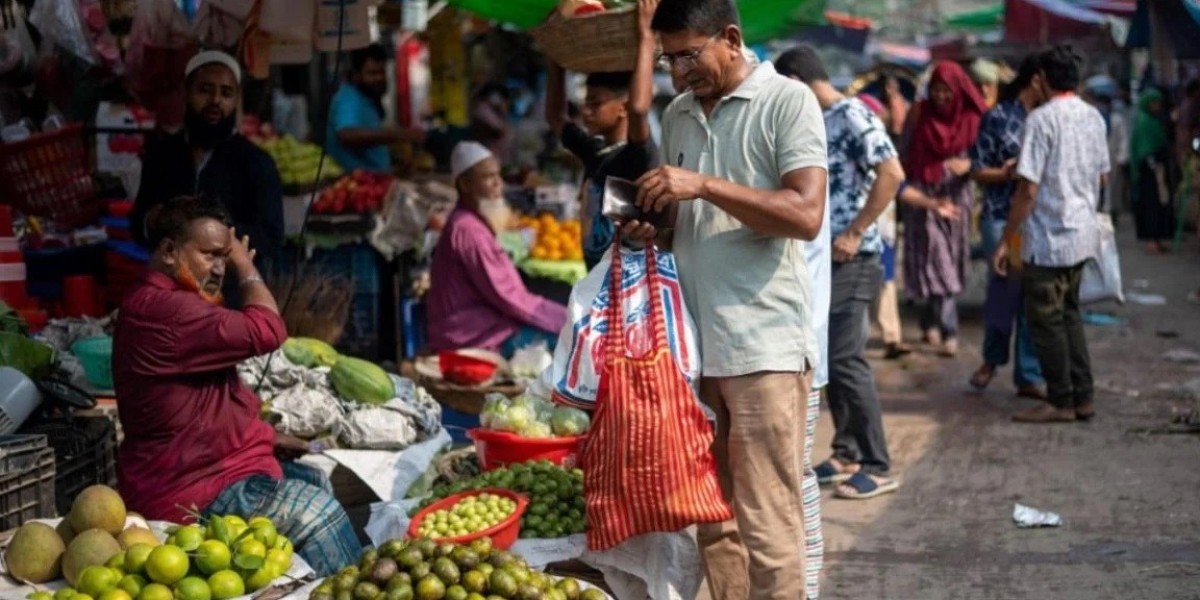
(476, 297)
(209, 158)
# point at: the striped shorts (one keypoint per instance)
(814, 543)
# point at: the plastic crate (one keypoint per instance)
(47, 175)
(85, 450)
(26, 480)
(356, 262)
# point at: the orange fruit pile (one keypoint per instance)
(556, 240)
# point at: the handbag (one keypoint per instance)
(648, 465)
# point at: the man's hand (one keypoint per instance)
(241, 256)
(637, 234)
(1000, 260)
(289, 448)
(846, 246)
(646, 9)
(958, 166)
(1010, 168)
(658, 188)
(947, 209)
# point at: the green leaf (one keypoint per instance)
(248, 562)
(221, 530)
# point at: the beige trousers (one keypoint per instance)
(887, 313)
(759, 449)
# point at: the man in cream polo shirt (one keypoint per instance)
(745, 176)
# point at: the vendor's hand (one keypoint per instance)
(660, 187)
(241, 256)
(1000, 260)
(947, 209)
(846, 246)
(646, 9)
(958, 166)
(289, 448)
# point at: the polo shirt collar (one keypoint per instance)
(749, 88)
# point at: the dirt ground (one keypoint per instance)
(1128, 500)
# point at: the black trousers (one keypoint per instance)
(1056, 329)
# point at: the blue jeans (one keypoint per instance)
(1003, 308)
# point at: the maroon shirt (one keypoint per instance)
(191, 427)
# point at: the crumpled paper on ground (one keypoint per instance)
(1027, 517)
(658, 566)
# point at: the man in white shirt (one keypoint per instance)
(1064, 162)
(746, 183)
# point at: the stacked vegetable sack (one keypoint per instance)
(426, 570)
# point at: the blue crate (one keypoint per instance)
(361, 336)
(412, 319)
(357, 262)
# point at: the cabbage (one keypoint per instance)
(567, 421)
(493, 405)
(516, 419)
(537, 430)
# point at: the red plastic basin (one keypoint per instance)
(503, 534)
(498, 448)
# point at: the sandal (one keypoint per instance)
(983, 377)
(864, 486)
(1033, 392)
(827, 472)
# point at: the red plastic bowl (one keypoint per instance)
(498, 448)
(503, 534)
(462, 368)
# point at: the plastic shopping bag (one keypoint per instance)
(1102, 275)
(161, 43)
(574, 376)
(648, 465)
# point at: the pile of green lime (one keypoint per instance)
(469, 515)
(427, 570)
(556, 506)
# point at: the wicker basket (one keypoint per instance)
(596, 43)
(467, 400)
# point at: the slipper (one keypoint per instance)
(1032, 392)
(827, 473)
(865, 487)
(980, 380)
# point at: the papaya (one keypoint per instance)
(361, 381)
(308, 352)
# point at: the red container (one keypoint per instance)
(463, 368)
(6, 221)
(503, 534)
(82, 296)
(498, 448)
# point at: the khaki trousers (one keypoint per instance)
(759, 449)
(887, 313)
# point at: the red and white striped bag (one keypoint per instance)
(648, 464)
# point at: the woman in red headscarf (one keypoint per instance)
(939, 196)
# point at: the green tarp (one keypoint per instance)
(987, 18)
(762, 20)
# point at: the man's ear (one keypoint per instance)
(169, 251)
(733, 35)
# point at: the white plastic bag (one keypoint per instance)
(574, 376)
(1102, 275)
(304, 411)
(59, 21)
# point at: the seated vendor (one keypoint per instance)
(476, 297)
(193, 437)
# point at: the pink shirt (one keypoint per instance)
(191, 427)
(477, 298)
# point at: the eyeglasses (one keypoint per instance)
(685, 61)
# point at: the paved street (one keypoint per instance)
(1128, 500)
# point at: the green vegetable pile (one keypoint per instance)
(556, 506)
(425, 570)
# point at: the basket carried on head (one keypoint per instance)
(596, 43)
(47, 175)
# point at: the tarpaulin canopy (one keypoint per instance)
(1045, 21)
(762, 20)
(986, 18)
(1178, 22)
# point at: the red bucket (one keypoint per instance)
(498, 448)
(503, 534)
